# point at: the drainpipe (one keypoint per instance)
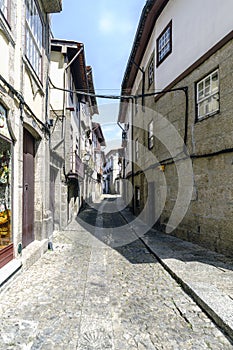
(132, 155)
(143, 83)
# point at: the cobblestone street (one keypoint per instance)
(87, 294)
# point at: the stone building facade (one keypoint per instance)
(72, 149)
(112, 172)
(99, 145)
(24, 133)
(179, 126)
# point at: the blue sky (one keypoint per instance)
(107, 29)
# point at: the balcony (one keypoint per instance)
(78, 170)
(52, 6)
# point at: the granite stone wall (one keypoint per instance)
(208, 220)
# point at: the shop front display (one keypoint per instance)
(6, 246)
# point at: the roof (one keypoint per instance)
(92, 89)
(82, 74)
(115, 151)
(96, 128)
(149, 15)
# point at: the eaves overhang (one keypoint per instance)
(149, 16)
(96, 128)
(94, 105)
(78, 68)
(150, 13)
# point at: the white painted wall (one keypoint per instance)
(197, 26)
(57, 77)
(4, 58)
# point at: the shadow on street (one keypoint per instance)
(106, 222)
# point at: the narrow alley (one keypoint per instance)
(102, 289)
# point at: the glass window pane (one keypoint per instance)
(33, 35)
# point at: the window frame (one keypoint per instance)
(151, 72)
(158, 50)
(136, 149)
(137, 196)
(34, 36)
(6, 13)
(205, 97)
(151, 134)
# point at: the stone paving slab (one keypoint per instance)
(89, 295)
(207, 276)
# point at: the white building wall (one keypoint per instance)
(196, 26)
(193, 33)
(57, 76)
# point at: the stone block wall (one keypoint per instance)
(208, 220)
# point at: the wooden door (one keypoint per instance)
(28, 187)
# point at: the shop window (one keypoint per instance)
(5, 183)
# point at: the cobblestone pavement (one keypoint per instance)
(87, 295)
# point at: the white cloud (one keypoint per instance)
(109, 23)
(106, 22)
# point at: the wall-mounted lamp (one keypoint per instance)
(50, 123)
(86, 157)
(162, 167)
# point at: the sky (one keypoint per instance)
(107, 29)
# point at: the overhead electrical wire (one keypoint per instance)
(117, 97)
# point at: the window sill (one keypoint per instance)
(6, 30)
(207, 116)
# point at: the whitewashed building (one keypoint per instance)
(72, 151)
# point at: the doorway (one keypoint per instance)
(28, 187)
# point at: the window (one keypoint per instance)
(71, 149)
(4, 7)
(137, 197)
(71, 87)
(95, 143)
(150, 135)
(164, 44)
(207, 92)
(151, 73)
(136, 150)
(5, 182)
(136, 105)
(34, 36)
